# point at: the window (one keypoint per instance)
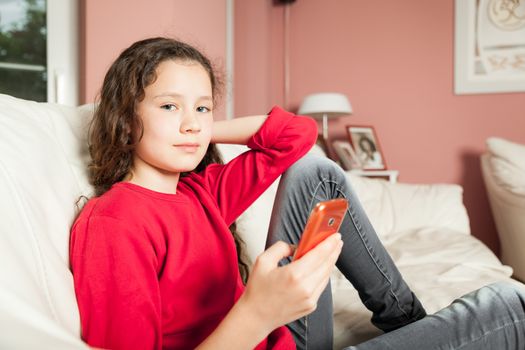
(23, 49)
(39, 50)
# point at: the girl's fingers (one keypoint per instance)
(318, 255)
(320, 287)
(316, 277)
(277, 251)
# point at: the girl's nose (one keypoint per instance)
(189, 123)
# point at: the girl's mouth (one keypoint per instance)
(187, 147)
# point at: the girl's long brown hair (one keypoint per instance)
(109, 140)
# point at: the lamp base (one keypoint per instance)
(325, 126)
(326, 141)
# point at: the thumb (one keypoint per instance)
(271, 256)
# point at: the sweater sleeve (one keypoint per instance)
(116, 286)
(281, 140)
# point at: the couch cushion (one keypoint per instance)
(396, 207)
(507, 163)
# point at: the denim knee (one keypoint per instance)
(509, 291)
(318, 166)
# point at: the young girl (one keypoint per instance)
(154, 261)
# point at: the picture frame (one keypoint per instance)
(365, 143)
(346, 155)
(489, 46)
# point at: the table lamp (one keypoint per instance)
(325, 105)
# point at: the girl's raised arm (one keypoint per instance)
(276, 141)
(238, 130)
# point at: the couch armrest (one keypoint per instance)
(508, 210)
(505, 161)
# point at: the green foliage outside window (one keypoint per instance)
(24, 42)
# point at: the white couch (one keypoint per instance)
(503, 168)
(42, 173)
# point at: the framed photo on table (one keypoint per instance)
(366, 146)
(346, 154)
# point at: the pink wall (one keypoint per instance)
(258, 56)
(108, 27)
(394, 61)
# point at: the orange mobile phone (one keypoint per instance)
(325, 220)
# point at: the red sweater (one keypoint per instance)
(155, 270)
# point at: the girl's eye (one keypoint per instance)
(169, 107)
(203, 109)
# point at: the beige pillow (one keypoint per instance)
(507, 163)
(394, 208)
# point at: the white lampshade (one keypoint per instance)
(329, 104)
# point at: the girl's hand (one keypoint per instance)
(279, 295)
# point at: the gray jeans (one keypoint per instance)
(491, 318)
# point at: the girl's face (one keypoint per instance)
(365, 146)
(176, 110)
